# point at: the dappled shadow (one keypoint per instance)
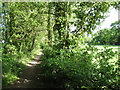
(31, 76)
(9, 68)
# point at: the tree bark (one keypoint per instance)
(49, 24)
(33, 42)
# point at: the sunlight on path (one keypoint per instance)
(36, 60)
(31, 76)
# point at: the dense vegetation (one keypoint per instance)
(81, 67)
(27, 26)
(108, 36)
(21, 36)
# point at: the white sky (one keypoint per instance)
(113, 16)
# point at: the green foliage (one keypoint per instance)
(83, 15)
(10, 69)
(28, 24)
(80, 67)
(108, 36)
(88, 39)
(88, 15)
(22, 34)
(13, 63)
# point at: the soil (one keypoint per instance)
(32, 77)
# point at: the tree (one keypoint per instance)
(86, 15)
(61, 23)
(50, 24)
(22, 24)
(108, 36)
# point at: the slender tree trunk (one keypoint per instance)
(20, 50)
(66, 42)
(62, 23)
(49, 24)
(57, 25)
(33, 42)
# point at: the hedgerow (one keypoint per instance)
(81, 67)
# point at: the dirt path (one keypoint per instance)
(31, 76)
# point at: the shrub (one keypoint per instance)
(13, 62)
(81, 67)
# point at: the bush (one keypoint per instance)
(10, 69)
(13, 62)
(81, 67)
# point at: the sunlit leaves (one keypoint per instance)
(107, 36)
(89, 13)
(84, 66)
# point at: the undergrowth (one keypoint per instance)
(86, 67)
(13, 63)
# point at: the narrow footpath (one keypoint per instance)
(31, 76)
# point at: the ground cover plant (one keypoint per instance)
(20, 38)
(82, 67)
(68, 58)
(11, 68)
(108, 36)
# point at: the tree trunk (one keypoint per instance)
(49, 24)
(67, 26)
(33, 42)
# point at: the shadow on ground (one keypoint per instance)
(32, 77)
